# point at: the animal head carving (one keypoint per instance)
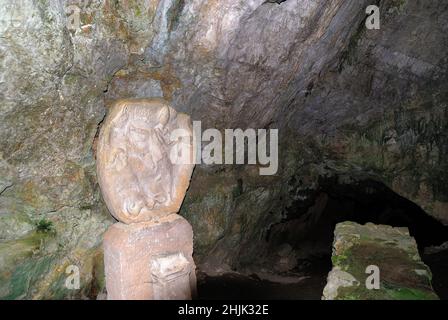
(137, 178)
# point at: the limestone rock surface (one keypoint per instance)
(402, 274)
(350, 103)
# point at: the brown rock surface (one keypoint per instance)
(138, 178)
(151, 260)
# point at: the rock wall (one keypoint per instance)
(52, 100)
(383, 110)
(348, 102)
(375, 110)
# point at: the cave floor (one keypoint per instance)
(235, 286)
(303, 284)
(306, 283)
(438, 264)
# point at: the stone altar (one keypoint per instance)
(148, 253)
(401, 274)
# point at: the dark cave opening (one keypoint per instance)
(306, 236)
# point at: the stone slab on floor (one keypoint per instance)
(402, 274)
(150, 261)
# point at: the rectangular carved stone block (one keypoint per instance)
(376, 262)
(152, 260)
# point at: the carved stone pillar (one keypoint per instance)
(150, 260)
(144, 168)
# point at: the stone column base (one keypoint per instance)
(150, 261)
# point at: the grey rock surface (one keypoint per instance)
(349, 102)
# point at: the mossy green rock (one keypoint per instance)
(401, 273)
(53, 80)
